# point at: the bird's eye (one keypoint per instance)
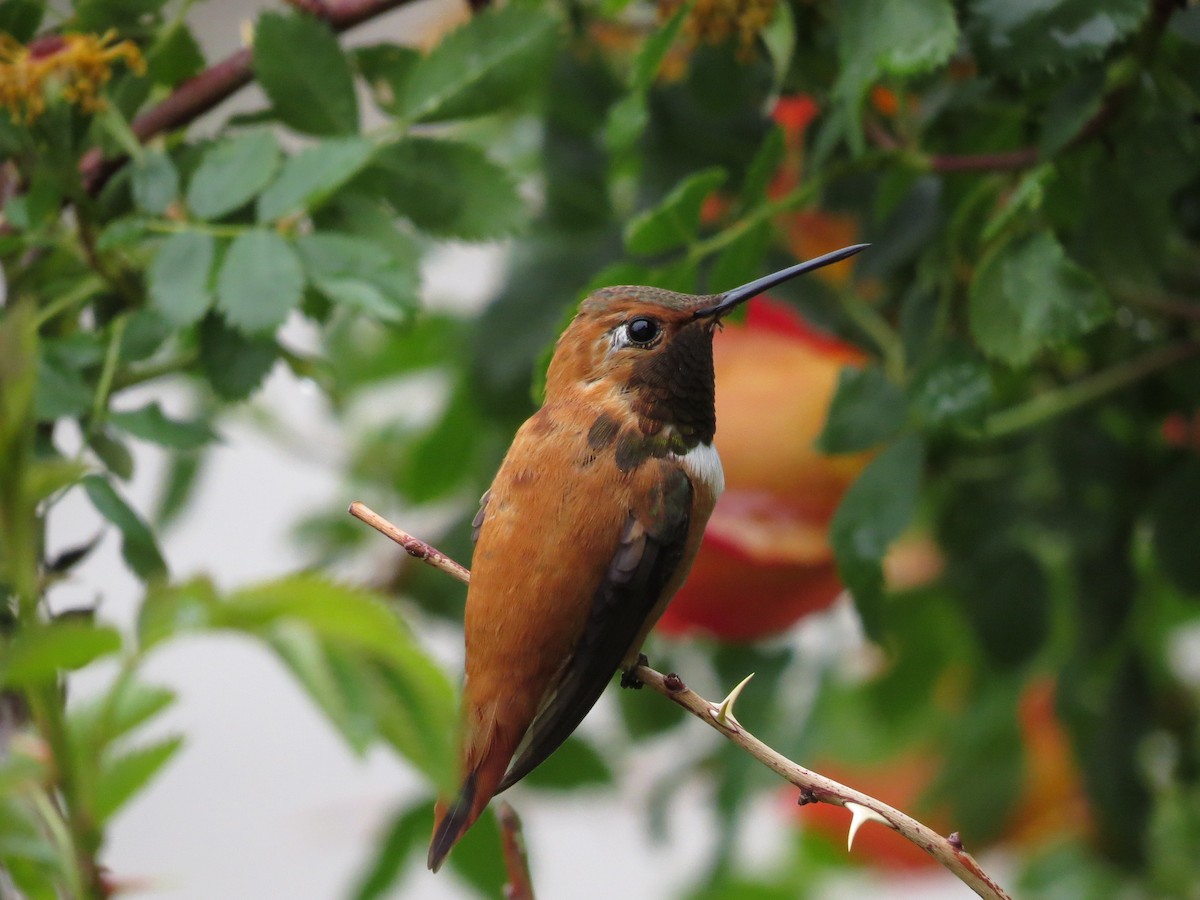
(641, 330)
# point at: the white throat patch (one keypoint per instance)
(703, 464)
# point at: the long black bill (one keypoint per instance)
(730, 299)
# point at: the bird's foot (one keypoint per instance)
(628, 678)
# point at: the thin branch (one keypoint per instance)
(516, 861)
(814, 788)
(198, 95)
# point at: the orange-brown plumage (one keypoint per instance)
(588, 529)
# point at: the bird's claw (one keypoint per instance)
(629, 679)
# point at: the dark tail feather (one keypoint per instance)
(453, 822)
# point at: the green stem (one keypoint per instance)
(104, 387)
(171, 366)
(170, 226)
(82, 292)
(47, 705)
(1054, 403)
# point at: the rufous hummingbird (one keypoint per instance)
(589, 527)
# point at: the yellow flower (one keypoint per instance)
(714, 21)
(76, 65)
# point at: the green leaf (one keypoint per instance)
(1024, 37)
(874, 511)
(174, 56)
(260, 282)
(953, 389)
(878, 38)
(1027, 296)
(231, 173)
(654, 50)
(234, 364)
(154, 182)
(304, 72)
(763, 167)
(867, 408)
(386, 68)
(171, 609)
(344, 615)
(138, 545)
(446, 188)
(178, 277)
(575, 764)
(477, 858)
(39, 653)
(47, 476)
(408, 830)
(361, 274)
(60, 391)
(112, 452)
(495, 58)
(742, 259)
(129, 704)
(1176, 528)
(675, 221)
(124, 776)
(21, 18)
(311, 177)
(1071, 109)
(440, 459)
(150, 423)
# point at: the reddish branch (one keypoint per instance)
(516, 860)
(198, 95)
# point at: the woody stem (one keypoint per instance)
(814, 787)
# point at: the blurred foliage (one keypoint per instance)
(1028, 174)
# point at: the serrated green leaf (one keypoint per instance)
(150, 423)
(302, 69)
(231, 173)
(138, 545)
(260, 282)
(874, 511)
(1027, 296)
(1176, 528)
(496, 57)
(1027, 37)
(39, 653)
(154, 182)
(867, 408)
(234, 364)
(446, 188)
(386, 68)
(361, 274)
(178, 277)
(122, 777)
(878, 38)
(310, 177)
(675, 221)
(954, 389)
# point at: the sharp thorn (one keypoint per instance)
(724, 712)
(859, 815)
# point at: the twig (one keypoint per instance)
(814, 788)
(516, 861)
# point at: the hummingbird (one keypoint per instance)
(589, 528)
